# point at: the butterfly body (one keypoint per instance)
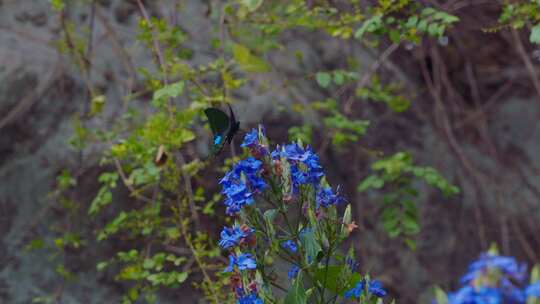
(223, 127)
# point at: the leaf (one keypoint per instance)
(395, 36)
(247, 61)
(181, 277)
(535, 34)
(297, 293)
(372, 181)
(96, 106)
(440, 296)
(323, 79)
(103, 198)
(535, 273)
(168, 91)
(399, 104)
(307, 238)
(339, 78)
(102, 265)
(370, 25)
(252, 5)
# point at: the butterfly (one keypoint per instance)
(223, 127)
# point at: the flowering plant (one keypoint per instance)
(494, 279)
(286, 214)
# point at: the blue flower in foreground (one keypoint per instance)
(250, 299)
(507, 265)
(231, 237)
(293, 272)
(246, 261)
(294, 152)
(232, 261)
(511, 292)
(468, 295)
(305, 166)
(290, 246)
(326, 197)
(533, 290)
(237, 197)
(243, 261)
(251, 168)
(374, 287)
(251, 139)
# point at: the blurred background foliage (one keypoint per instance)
(424, 111)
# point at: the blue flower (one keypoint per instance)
(533, 290)
(481, 288)
(232, 262)
(231, 237)
(251, 168)
(356, 291)
(237, 197)
(507, 265)
(243, 261)
(251, 139)
(293, 272)
(374, 287)
(290, 245)
(469, 295)
(250, 299)
(326, 197)
(246, 261)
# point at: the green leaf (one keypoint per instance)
(181, 277)
(440, 296)
(535, 273)
(103, 198)
(323, 79)
(372, 181)
(535, 34)
(247, 61)
(411, 22)
(399, 104)
(307, 238)
(370, 25)
(339, 78)
(102, 265)
(297, 293)
(395, 36)
(169, 91)
(252, 5)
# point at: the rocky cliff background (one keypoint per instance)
(486, 140)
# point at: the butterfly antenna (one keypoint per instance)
(231, 113)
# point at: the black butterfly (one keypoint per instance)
(223, 127)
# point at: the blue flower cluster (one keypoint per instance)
(250, 299)
(243, 261)
(326, 197)
(304, 164)
(290, 246)
(246, 180)
(240, 184)
(373, 287)
(293, 272)
(233, 236)
(494, 279)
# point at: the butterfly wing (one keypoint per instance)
(218, 121)
(234, 125)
